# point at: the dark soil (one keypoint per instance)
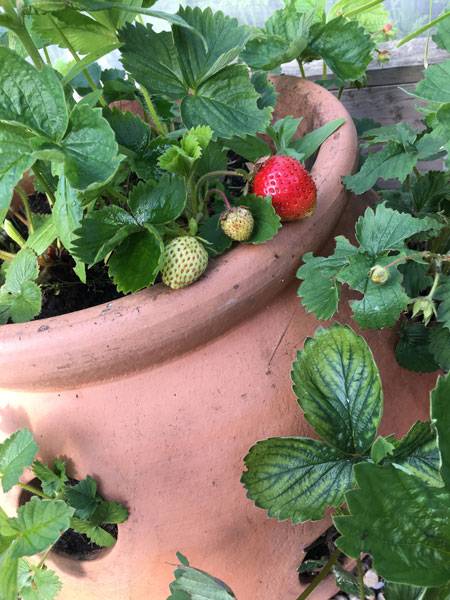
(319, 550)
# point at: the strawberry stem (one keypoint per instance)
(213, 191)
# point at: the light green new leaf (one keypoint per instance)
(436, 84)
(381, 448)
(371, 18)
(16, 157)
(83, 497)
(309, 143)
(24, 267)
(95, 533)
(224, 38)
(443, 294)
(296, 478)
(382, 511)
(84, 34)
(319, 290)
(151, 59)
(180, 159)
(193, 584)
(16, 454)
(38, 525)
(267, 222)
(102, 231)
(52, 481)
(385, 229)
(43, 235)
(158, 203)
(67, 212)
(390, 163)
(145, 251)
(440, 416)
(90, 149)
(43, 584)
(31, 98)
(417, 454)
(20, 306)
(227, 102)
(339, 389)
(345, 47)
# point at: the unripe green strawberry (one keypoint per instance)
(379, 274)
(237, 223)
(185, 260)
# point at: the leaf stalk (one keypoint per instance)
(322, 575)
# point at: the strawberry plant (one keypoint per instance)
(401, 265)
(390, 496)
(120, 197)
(55, 505)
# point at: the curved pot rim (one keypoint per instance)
(134, 332)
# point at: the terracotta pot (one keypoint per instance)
(160, 395)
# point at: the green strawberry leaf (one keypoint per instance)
(282, 132)
(384, 229)
(52, 480)
(151, 59)
(267, 222)
(210, 230)
(413, 349)
(8, 574)
(265, 88)
(90, 149)
(381, 448)
(443, 294)
(16, 157)
(130, 130)
(227, 102)
(415, 278)
(417, 453)
(16, 454)
(401, 591)
(44, 233)
(109, 512)
(224, 38)
(193, 584)
(84, 34)
(390, 163)
(382, 509)
(30, 98)
(338, 386)
(158, 203)
(145, 251)
(401, 133)
(434, 86)
(442, 35)
(67, 212)
(38, 525)
(102, 231)
(320, 289)
(250, 147)
(82, 497)
(42, 584)
(95, 533)
(296, 478)
(311, 142)
(344, 46)
(440, 346)
(440, 398)
(349, 583)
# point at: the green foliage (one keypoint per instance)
(53, 508)
(20, 296)
(193, 584)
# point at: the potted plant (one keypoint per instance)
(122, 387)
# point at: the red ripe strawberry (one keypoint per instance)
(292, 188)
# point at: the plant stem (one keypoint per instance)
(322, 575)
(77, 59)
(6, 255)
(361, 9)
(324, 70)
(302, 68)
(13, 233)
(39, 176)
(414, 34)
(30, 47)
(359, 568)
(213, 191)
(32, 490)
(340, 92)
(47, 56)
(427, 43)
(26, 206)
(416, 171)
(160, 126)
(43, 558)
(437, 278)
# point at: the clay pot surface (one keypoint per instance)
(160, 395)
